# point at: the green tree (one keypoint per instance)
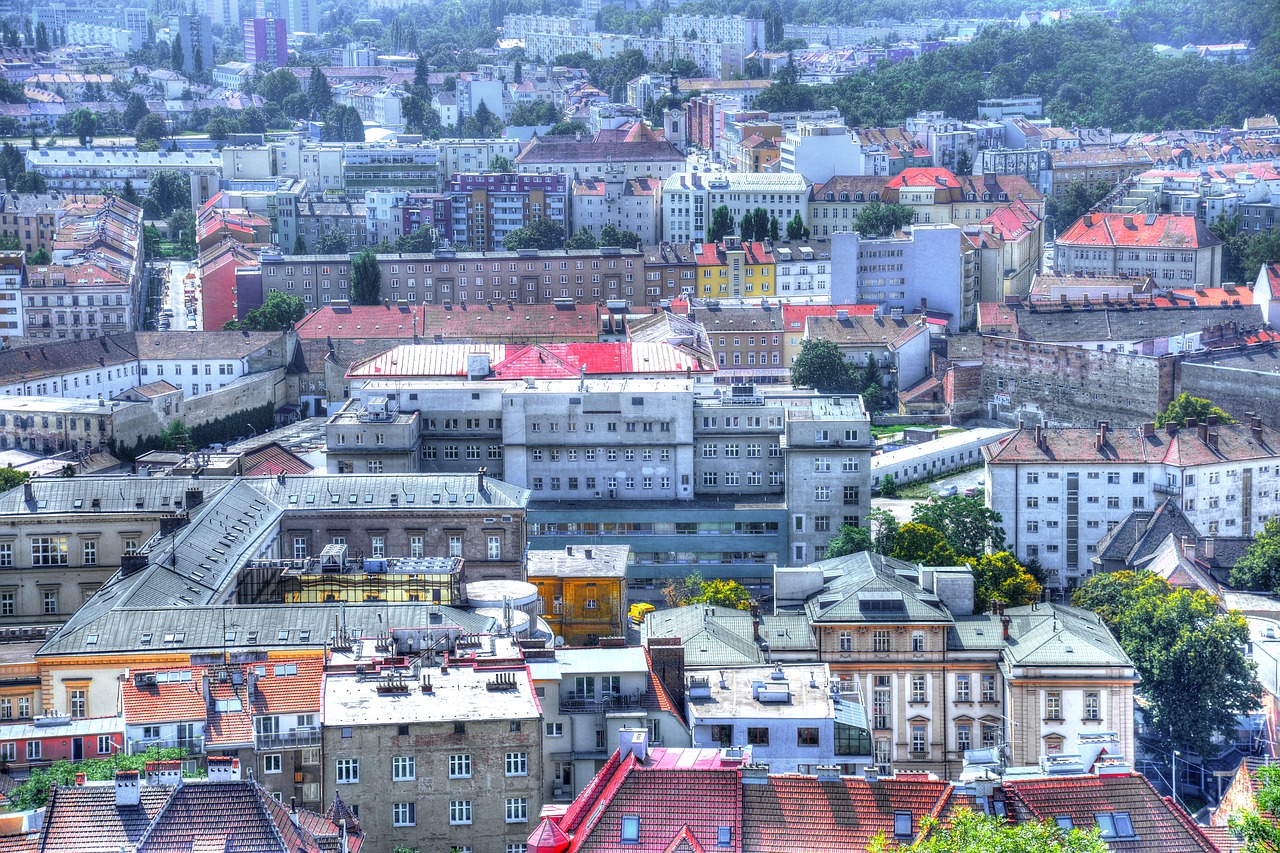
(677, 591)
(299, 245)
(135, 108)
(176, 436)
(419, 117)
(723, 593)
(539, 234)
(1001, 577)
(1110, 594)
(42, 38)
(721, 224)
(849, 540)
(252, 120)
(878, 219)
(969, 527)
(1259, 568)
(168, 190)
(177, 59)
(581, 239)
(917, 543)
(611, 235)
(821, 366)
(568, 128)
(1257, 826)
(774, 233)
(366, 279)
(34, 790)
(964, 163)
(277, 313)
(182, 231)
(332, 242)
(1185, 406)
(421, 241)
(889, 486)
(31, 182)
(796, 229)
(1075, 201)
(319, 92)
(12, 477)
(498, 163)
(760, 224)
(84, 124)
(129, 193)
(746, 228)
(41, 256)
(968, 831)
(277, 85)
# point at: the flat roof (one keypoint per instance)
(457, 693)
(733, 692)
(580, 561)
(66, 405)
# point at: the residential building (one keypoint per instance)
(898, 344)
(640, 154)
(1061, 490)
(689, 200)
(95, 170)
(746, 339)
(301, 15)
(819, 152)
(32, 218)
(732, 269)
(582, 591)
(223, 294)
(594, 696)
(485, 208)
(478, 727)
(223, 13)
(266, 41)
(627, 204)
(1174, 250)
(87, 369)
(31, 745)
(1090, 166)
(12, 277)
(919, 268)
(55, 425)
(195, 34)
(802, 271)
(748, 33)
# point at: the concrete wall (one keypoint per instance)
(1235, 389)
(247, 392)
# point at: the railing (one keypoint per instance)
(190, 744)
(1165, 488)
(296, 739)
(571, 703)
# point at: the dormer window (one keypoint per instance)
(875, 196)
(986, 196)
(857, 196)
(971, 196)
(630, 829)
(844, 196)
(902, 824)
(828, 196)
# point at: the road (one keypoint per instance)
(182, 296)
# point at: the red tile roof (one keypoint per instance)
(1013, 222)
(924, 177)
(170, 702)
(1180, 447)
(271, 460)
(1158, 823)
(793, 316)
(499, 322)
(1116, 229)
(1273, 279)
(87, 819)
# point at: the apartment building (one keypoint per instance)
(921, 267)
(582, 591)
(628, 204)
(689, 200)
(639, 154)
(746, 338)
(732, 269)
(802, 270)
(448, 277)
(448, 759)
(1177, 251)
(13, 275)
(32, 219)
(1060, 490)
(487, 207)
(99, 169)
(748, 33)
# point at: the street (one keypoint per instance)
(901, 507)
(180, 298)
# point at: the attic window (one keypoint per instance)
(1114, 825)
(311, 499)
(91, 640)
(283, 635)
(253, 636)
(282, 669)
(78, 503)
(146, 638)
(1064, 821)
(229, 637)
(724, 836)
(630, 829)
(304, 636)
(902, 824)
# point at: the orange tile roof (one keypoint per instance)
(924, 177)
(1116, 230)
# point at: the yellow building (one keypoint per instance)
(733, 269)
(334, 577)
(582, 591)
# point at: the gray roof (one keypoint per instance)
(1122, 324)
(1057, 635)
(59, 495)
(202, 345)
(871, 588)
(604, 561)
(711, 636)
(54, 358)
(375, 491)
(788, 633)
(553, 150)
(1139, 535)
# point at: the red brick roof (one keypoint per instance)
(1181, 447)
(802, 813)
(1116, 229)
(1012, 222)
(87, 820)
(271, 460)
(1157, 822)
(1273, 279)
(793, 316)
(924, 177)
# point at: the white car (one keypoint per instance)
(948, 491)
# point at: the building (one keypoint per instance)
(627, 204)
(732, 269)
(72, 170)
(32, 218)
(30, 744)
(12, 278)
(794, 717)
(898, 344)
(689, 200)
(485, 208)
(919, 268)
(55, 425)
(640, 154)
(266, 41)
(195, 34)
(478, 727)
(1061, 490)
(222, 283)
(819, 152)
(582, 591)
(1177, 251)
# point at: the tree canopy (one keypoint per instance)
(1185, 406)
(278, 312)
(1195, 673)
(969, 831)
(968, 526)
(11, 478)
(1259, 568)
(539, 234)
(366, 279)
(821, 366)
(1257, 826)
(879, 219)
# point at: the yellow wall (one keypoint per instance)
(578, 624)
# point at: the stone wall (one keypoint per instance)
(247, 392)
(1235, 389)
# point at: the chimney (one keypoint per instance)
(1255, 429)
(1128, 222)
(1204, 433)
(163, 772)
(28, 492)
(480, 472)
(997, 607)
(131, 564)
(828, 772)
(293, 810)
(1005, 622)
(1208, 547)
(128, 788)
(80, 780)
(587, 552)
(1212, 420)
(1192, 423)
(635, 742)
(224, 768)
(1088, 220)
(193, 498)
(1039, 435)
(1149, 429)
(1189, 548)
(1213, 440)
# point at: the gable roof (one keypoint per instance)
(1170, 445)
(1158, 230)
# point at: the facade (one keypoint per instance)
(95, 170)
(12, 277)
(688, 200)
(641, 154)
(732, 269)
(1177, 251)
(488, 207)
(1061, 490)
(25, 746)
(74, 301)
(195, 32)
(391, 740)
(32, 219)
(819, 152)
(898, 344)
(627, 204)
(582, 591)
(266, 41)
(919, 268)
(802, 271)
(51, 425)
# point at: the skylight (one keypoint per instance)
(630, 829)
(1113, 825)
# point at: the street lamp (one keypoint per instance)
(1173, 757)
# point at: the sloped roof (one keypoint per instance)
(87, 820)
(711, 636)
(1057, 635)
(863, 330)
(867, 587)
(1181, 447)
(1160, 230)
(271, 460)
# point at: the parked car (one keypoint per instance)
(948, 491)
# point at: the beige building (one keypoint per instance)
(448, 760)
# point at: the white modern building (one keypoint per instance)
(99, 169)
(689, 199)
(819, 152)
(921, 267)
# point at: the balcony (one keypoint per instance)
(1165, 489)
(296, 739)
(573, 703)
(192, 745)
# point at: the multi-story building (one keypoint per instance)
(819, 152)
(32, 219)
(1061, 490)
(732, 269)
(541, 277)
(640, 154)
(746, 340)
(12, 276)
(628, 204)
(106, 367)
(450, 758)
(919, 268)
(50, 425)
(26, 745)
(899, 344)
(399, 167)
(689, 200)
(582, 591)
(195, 34)
(485, 208)
(222, 13)
(748, 33)
(310, 220)
(1090, 166)
(95, 170)
(266, 41)
(802, 271)
(1177, 251)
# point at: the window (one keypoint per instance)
(517, 764)
(271, 763)
(964, 737)
(404, 768)
(902, 824)
(517, 809)
(8, 604)
(6, 554)
(881, 641)
(50, 602)
(630, 829)
(460, 765)
(348, 771)
(495, 547)
(555, 729)
(91, 553)
(1064, 821)
(460, 810)
(724, 836)
(988, 688)
(917, 641)
(1053, 705)
(846, 641)
(1113, 825)
(919, 739)
(962, 689)
(455, 546)
(33, 750)
(758, 735)
(806, 736)
(77, 702)
(49, 551)
(917, 688)
(403, 814)
(1092, 706)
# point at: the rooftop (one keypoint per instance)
(781, 691)
(580, 561)
(456, 693)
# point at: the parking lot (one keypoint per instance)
(963, 483)
(180, 299)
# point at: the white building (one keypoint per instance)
(81, 32)
(819, 152)
(1060, 490)
(802, 271)
(629, 204)
(793, 716)
(922, 267)
(1177, 251)
(99, 169)
(688, 200)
